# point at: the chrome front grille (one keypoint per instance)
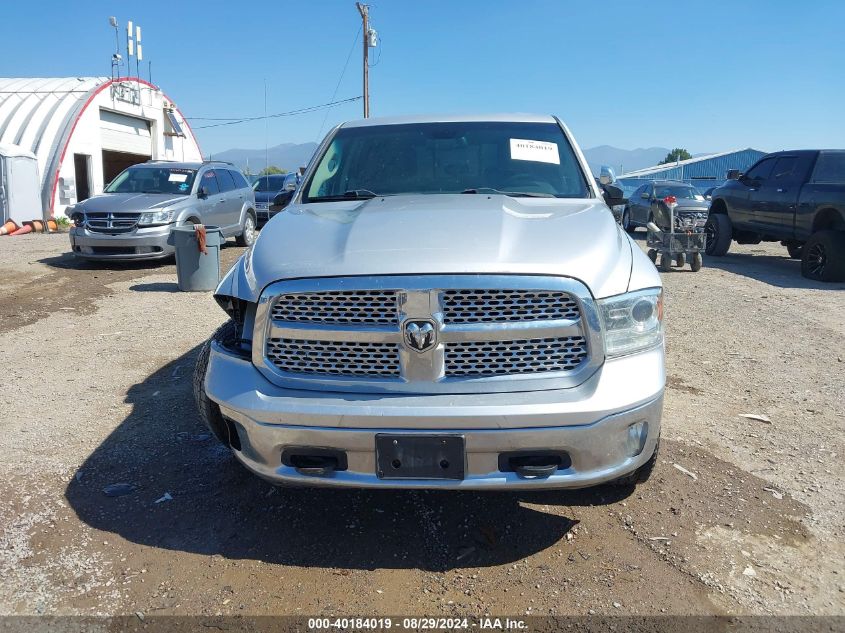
(493, 333)
(502, 306)
(345, 307)
(111, 222)
(334, 358)
(522, 356)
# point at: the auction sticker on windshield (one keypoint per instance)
(537, 151)
(177, 177)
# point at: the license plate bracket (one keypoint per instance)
(419, 456)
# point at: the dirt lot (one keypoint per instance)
(95, 390)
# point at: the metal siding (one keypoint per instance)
(37, 113)
(703, 172)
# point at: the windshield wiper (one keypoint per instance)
(352, 194)
(512, 194)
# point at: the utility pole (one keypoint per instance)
(364, 10)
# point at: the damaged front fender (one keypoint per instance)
(239, 282)
(237, 294)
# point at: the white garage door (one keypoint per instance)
(122, 133)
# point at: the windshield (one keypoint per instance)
(520, 159)
(269, 183)
(679, 191)
(168, 180)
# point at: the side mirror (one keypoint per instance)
(606, 176)
(613, 195)
(202, 192)
(281, 200)
(734, 174)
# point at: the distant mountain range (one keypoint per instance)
(289, 156)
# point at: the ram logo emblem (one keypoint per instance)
(420, 336)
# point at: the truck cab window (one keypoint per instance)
(761, 171)
(830, 167)
(784, 168)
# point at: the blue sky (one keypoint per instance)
(708, 76)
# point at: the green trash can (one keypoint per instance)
(195, 270)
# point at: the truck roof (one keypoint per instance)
(453, 118)
(793, 152)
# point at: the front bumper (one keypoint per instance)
(141, 243)
(589, 422)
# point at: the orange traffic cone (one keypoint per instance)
(8, 228)
(26, 228)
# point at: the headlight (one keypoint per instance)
(150, 218)
(632, 322)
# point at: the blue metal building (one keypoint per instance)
(701, 172)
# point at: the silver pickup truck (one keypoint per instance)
(446, 303)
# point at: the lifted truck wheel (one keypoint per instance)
(823, 257)
(642, 473)
(719, 234)
(208, 409)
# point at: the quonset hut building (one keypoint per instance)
(86, 130)
(702, 172)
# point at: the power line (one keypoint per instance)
(380, 46)
(233, 121)
(339, 79)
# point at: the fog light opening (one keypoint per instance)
(635, 438)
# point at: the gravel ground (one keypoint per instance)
(740, 517)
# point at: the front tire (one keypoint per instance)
(719, 231)
(666, 262)
(208, 409)
(823, 257)
(626, 221)
(247, 236)
(642, 473)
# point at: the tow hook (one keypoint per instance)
(529, 471)
(539, 464)
(314, 462)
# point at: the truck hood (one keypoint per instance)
(447, 233)
(128, 202)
